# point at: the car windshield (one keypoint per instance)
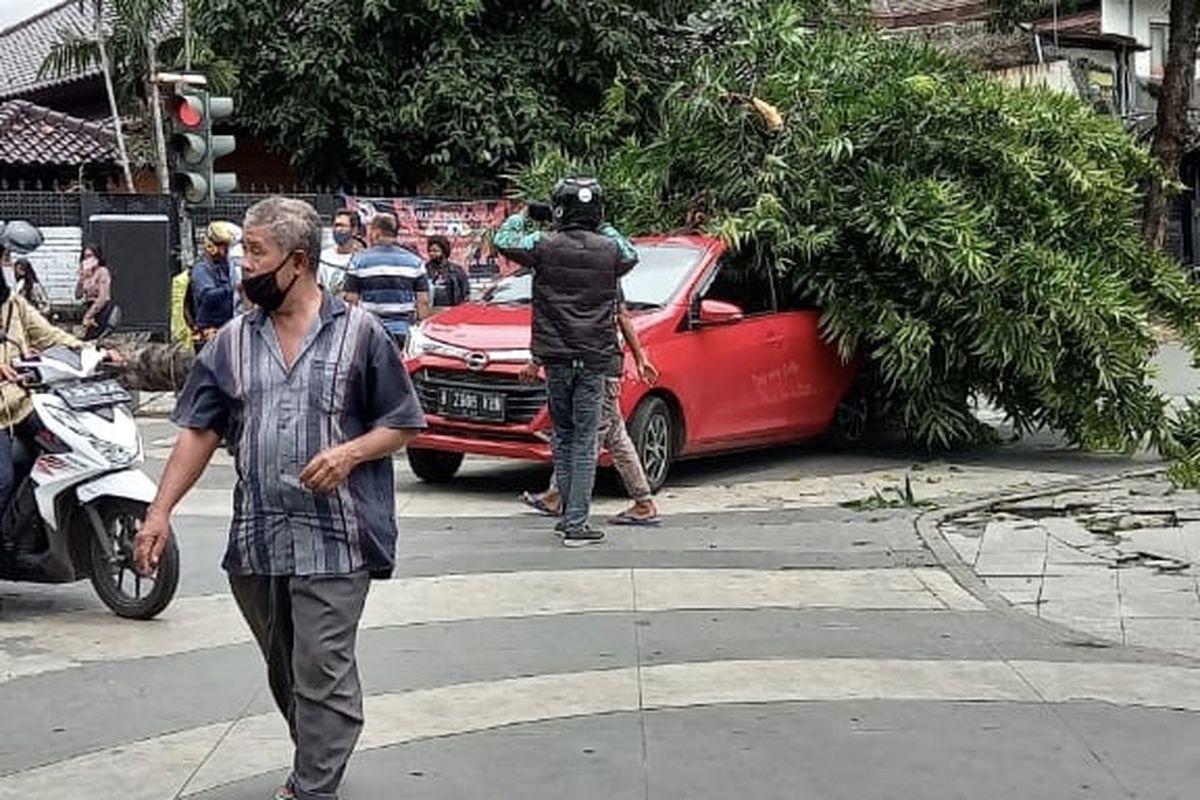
(660, 271)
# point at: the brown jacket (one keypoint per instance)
(25, 330)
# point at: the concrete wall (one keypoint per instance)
(1115, 18)
(1055, 75)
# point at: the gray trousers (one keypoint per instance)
(307, 627)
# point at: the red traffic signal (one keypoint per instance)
(187, 110)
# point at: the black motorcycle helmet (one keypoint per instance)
(20, 236)
(578, 203)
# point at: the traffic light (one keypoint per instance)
(194, 147)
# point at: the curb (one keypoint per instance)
(928, 526)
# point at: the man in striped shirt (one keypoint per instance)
(389, 280)
(313, 399)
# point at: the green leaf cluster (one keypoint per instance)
(438, 95)
(971, 240)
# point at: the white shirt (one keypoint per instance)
(332, 271)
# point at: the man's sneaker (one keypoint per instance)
(560, 529)
(583, 537)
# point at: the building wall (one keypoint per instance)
(1054, 75)
(1115, 18)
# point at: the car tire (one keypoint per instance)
(653, 431)
(434, 466)
(851, 420)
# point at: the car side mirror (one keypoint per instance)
(718, 312)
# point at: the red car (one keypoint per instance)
(743, 365)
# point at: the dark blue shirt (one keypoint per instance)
(212, 294)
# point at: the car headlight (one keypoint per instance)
(414, 345)
(419, 344)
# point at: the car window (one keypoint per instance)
(746, 287)
(660, 271)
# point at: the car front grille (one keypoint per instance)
(522, 401)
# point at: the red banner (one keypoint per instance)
(468, 224)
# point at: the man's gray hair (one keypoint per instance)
(291, 225)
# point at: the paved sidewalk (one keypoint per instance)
(1118, 561)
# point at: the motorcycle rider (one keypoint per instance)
(25, 331)
(211, 290)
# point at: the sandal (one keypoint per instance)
(630, 519)
(536, 502)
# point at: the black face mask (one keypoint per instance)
(264, 291)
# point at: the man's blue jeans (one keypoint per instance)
(576, 397)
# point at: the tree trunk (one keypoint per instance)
(160, 143)
(106, 69)
(1171, 130)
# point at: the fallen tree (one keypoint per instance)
(971, 240)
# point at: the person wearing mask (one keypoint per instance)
(448, 282)
(388, 280)
(29, 287)
(94, 287)
(576, 269)
(212, 297)
(336, 258)
(314, 400)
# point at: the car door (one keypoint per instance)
(729, 402)
(813, 378)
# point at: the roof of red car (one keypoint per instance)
(699, 240)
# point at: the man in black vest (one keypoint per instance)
(576, 271)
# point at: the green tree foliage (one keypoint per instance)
(971, 240)
(443, 94)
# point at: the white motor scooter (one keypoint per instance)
(81, 495)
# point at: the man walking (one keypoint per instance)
(576, 270)
(389, 280)
(313, 399)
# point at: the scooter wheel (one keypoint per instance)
(114, 576)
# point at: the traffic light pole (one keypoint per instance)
(160, 139)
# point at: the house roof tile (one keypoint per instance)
(918, 13)
(25, 45)
(32, 135)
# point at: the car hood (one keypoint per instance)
(481, 327)
(476, 326)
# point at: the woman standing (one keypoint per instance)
(29, 287)
(95, 288)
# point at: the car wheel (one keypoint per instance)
(434, 466)
(851, 420)
(652, 428)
